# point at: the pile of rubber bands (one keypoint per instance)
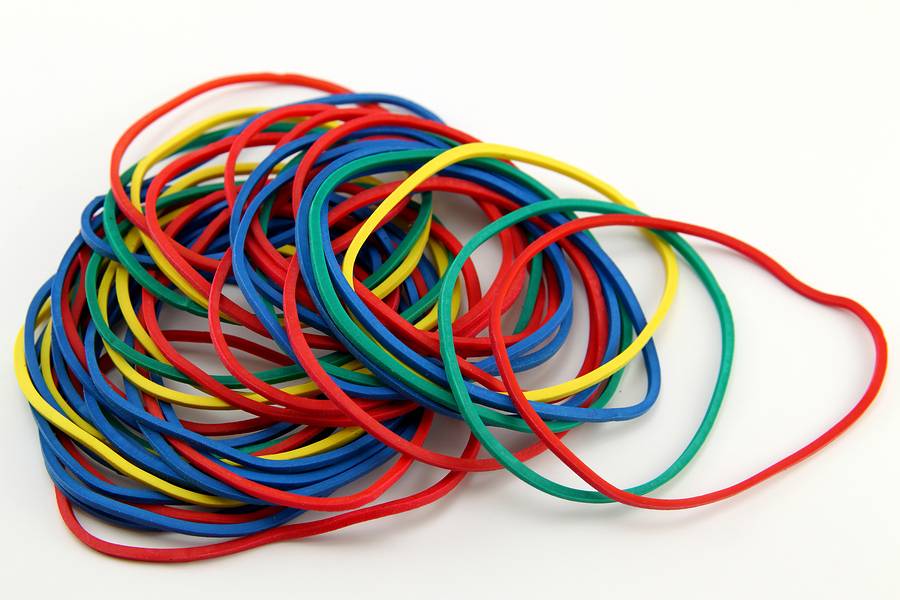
(344, 317)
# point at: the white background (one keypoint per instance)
(775, 121)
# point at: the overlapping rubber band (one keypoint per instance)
(229, 343)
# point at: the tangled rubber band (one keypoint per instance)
(343, 317)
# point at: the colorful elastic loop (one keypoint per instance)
(266, 309)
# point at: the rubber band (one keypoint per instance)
(344, 316)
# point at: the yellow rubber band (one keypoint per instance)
(483, 150)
